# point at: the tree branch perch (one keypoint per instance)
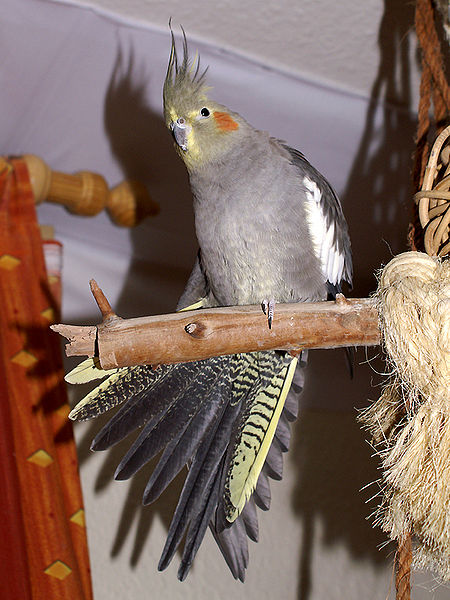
(199, 334)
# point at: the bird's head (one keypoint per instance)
(203, 129)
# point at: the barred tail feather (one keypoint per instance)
(255, 441)
(107, 395)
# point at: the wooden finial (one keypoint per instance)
(87, 193)
(129, 203)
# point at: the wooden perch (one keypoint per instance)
(87, 193)
(199, 334)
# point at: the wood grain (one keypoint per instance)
(200, 334)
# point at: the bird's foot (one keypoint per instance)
(268, 307)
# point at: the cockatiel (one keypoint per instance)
(270, 229)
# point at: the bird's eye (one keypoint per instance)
(205, 112)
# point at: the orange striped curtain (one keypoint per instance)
(43, 547)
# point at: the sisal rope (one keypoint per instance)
(429, 231)
(410, 423)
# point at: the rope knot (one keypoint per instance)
(410, 423)
(414, 306)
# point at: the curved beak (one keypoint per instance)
(180, 131)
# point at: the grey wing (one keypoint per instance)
(326, 223)
(196, 287)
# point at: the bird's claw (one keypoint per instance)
(268, 308)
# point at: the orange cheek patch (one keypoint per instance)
(225, 122)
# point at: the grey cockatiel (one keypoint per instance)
(270, 229)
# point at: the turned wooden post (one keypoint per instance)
(87, 193)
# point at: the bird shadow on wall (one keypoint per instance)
(163, 251)
(334, 462)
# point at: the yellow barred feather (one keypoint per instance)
(88, 370)
(255, 441)
(92, 400)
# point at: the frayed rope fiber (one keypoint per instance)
(410, 423)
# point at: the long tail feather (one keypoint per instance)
(255, 440)
(125, 383)
(233, 545)
(249, 517)
(283, 432)
(199, 524)
(198, 481)
(274, 462)
(182, 449)
(262, 493)
(149, 403)
(176, 416)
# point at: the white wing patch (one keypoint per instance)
(331, 260)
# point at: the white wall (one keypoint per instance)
(83, 90)
(328, 41)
